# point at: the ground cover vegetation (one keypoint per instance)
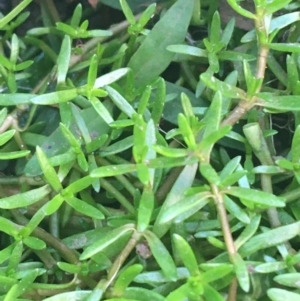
(156, 157)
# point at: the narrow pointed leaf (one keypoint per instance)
(256, 196)
(224, 88)
(110, 77)
(105, 240)
(55, 97)
(24, 199)
(84, 208)
(270, 238)
(186, 254)
(112, 170)
(120, 102)
(277, 294)
(162, 255)
(241, 272)
(48, 170)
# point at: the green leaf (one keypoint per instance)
(184, 208)
(117, 147)
(139, 293)
(248, 232)
(184, 181)
(75, 295)
(162, 255)
(55, 97)
(276, 294)
(147, 14)
(76, 16)
(84, 208)
(101, 110)
(145, 209)
(125, 278)
(14, 155)
(106, 240)
(230, 167)
(63, 60)
(189, 50)
(275, 5)
(152, 58)
(211, 293)
(67, 29)
(171, 152)
(143, 102)
(69, 268)
(120, 102)
(213, 137)
(284, 20)
(296, 146)
(23, 285)
(162, 162)
(289, 279)
(283, 103)
(214, 272)
(6, 136)
(110, 77)
(52, 206)
(16, 11)
(270, 267)
(270, 238)
(236, 210)
(241, 271)
(5, 253)
(127, 12)
(92, 74)
(186, 254)
(255, 196)
(112, 170)
(235, 6)
(48, 170)
(15, 257)
(186, 131)
(15, 99)
(224, 88)
(235, 56)
(79, 185)
(212, 117)
(34, 243)
(24, 199)
(209, 173)
(215, 29)
(158, 104)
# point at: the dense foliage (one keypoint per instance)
(155, 160)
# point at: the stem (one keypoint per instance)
(244, 106)
(232, 290)
(292, 195)
(229, 242)
(167, 184)
(218, 197)
(119, 196)
(123, 255)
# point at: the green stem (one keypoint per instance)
(119, 196)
